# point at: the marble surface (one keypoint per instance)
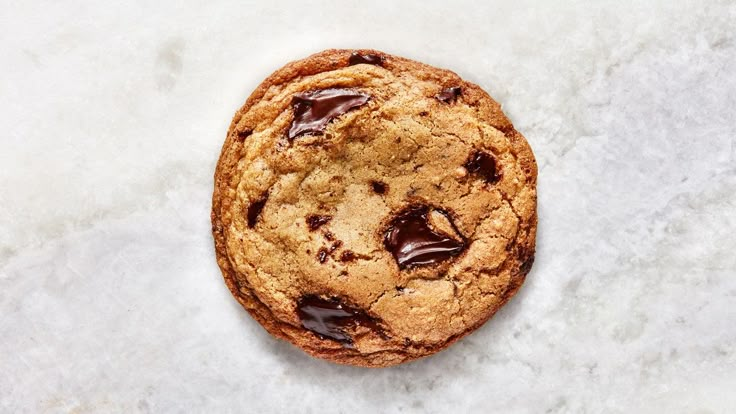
(113, 117)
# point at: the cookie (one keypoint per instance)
(371, 209)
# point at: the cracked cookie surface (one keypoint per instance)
(371, 209)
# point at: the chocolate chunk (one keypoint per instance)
(526, 267)
(506, 128)
(330, 318)
(379, 187)
(254, 209)
(449, 95)
(357, 58)
(526, 256)
(314, 110)
(413, 242)
(347, 256)
(242, 135)
(336, 245)
(484, 165)
(322, 254)
(315, 221)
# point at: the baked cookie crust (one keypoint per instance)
(371, 209)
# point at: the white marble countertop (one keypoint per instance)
(112, 120)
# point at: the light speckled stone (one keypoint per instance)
(113, 117)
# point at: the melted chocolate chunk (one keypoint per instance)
(322, 254)
(379, 187)
(357, 58)
(449, 95)
(330, 319)
(315, 221)
(314, 110)
(413, 242)
(347, 256)
(484, 165)
(254, 209)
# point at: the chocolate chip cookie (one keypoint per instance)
(371, 209)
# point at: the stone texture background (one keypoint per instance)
(112, 120)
